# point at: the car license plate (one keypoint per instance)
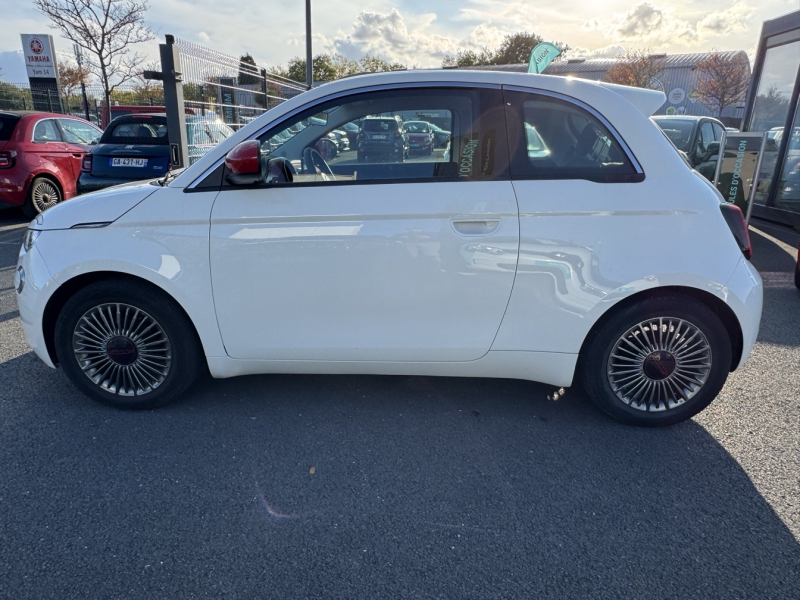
(379, 137)
(414, 145)
(128, 162)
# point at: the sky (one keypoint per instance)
(420, 33)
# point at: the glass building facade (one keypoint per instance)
(772, 106)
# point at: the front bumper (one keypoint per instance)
(39, 286)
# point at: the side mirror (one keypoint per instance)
(244, 165)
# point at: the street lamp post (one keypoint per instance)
(309, 70)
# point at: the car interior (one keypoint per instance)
(295, 144)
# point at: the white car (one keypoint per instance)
(604, 261)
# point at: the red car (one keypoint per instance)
(40, 158)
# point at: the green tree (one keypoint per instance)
(248, 70)
(373, 64)
(514, 49)
(322, 68)
(469, 58)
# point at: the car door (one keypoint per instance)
(377, 261)
(79, 138)
(54, 154)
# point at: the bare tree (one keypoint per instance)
(638, 68)
(147, 88)
(724, 80)
(71, 76)
(106, 29)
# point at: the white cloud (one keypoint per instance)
(732, 20)
(646, 23)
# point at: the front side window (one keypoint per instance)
(551, 138)
(391, 139)
(76, 132)
(46, 131)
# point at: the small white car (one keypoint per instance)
(604, 261)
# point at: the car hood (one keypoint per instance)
(104, 206)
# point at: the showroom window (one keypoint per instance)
(422, 134)
(551, 138)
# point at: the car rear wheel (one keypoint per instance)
(43, 193)
(126, 346)
(658, 362)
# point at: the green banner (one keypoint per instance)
(541, 56)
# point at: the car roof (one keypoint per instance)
(36, 113)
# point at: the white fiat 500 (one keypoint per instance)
(560, 238)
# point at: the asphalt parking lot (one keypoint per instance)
(400, 487)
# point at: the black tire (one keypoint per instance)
(43, 193)
(181, 352)
(659, 371)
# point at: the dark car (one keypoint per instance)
(133, 147)
(382, 137)
(698, 138)
(420, 137)
(352, 130)
(40, 158)
(440, 136)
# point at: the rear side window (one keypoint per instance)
(552, 138)
(130, 131)
(77, 132)
(46, 131)
(7, 125)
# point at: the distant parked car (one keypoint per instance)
(382, 137)
(133, 147)
(697, 137)
(420, 137)
(440, 136)
(203, 135)
(40, 158)
(352, 130)
(136, 147)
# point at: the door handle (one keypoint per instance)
(77, 155)
(474, 226)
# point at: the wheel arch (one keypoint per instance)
(68, 289)
(45, 175)
(720, 308)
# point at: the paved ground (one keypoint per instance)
(400, 487)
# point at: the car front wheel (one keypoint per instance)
(126, 346)
(658, 362)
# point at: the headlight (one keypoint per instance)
(30, 238)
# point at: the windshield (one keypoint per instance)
(418, 127)
(678, 131)
(380, 125)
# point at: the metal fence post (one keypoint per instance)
(173, 103)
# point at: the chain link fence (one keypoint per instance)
(221, 88)
(124, 99)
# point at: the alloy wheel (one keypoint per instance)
(659, 364)
(122, 349)
(45, 195)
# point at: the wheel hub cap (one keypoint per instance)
(659, 364)
(122, 350)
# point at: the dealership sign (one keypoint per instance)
(40, 58)
(738, 169)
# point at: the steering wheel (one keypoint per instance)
(314, 164)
